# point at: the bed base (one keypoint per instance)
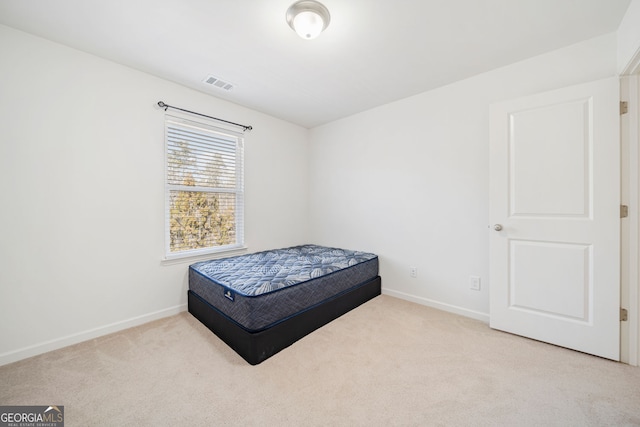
(255, 347)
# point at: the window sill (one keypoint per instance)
(189, 259)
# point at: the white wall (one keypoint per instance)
(81, 181)
(81, 168)
(629, 39)
(410, 180)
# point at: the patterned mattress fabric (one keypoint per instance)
(258, 290)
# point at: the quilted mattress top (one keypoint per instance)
(268, 271)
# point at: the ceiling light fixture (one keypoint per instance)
(308, 18)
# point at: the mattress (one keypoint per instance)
(262, 289)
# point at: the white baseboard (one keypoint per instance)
(484, 317)
(34, 350)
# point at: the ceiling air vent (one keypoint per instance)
(218, 83)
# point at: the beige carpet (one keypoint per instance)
(388, 362)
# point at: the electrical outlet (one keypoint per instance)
(413, 272)
(474, 283)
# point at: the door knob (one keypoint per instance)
(497, 227)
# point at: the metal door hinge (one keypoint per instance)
(624, 315)
(624, 211)
(624, 107)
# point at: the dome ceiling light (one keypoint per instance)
(308, 18)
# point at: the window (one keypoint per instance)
(203, 188)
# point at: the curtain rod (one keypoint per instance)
(165, 106)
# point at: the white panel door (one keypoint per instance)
(555, 217)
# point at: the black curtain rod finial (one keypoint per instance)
(166, 106)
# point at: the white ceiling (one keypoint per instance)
(372, 53)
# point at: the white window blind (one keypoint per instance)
(203, 188)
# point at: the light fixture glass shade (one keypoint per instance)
(308, 24)
(308, 18)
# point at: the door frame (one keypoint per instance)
(630, 227)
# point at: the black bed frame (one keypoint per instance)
(255, 347)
